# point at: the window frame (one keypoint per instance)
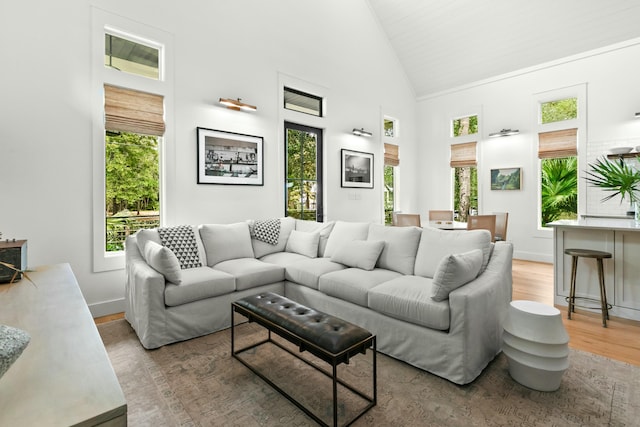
(103, 22)
(578, 91)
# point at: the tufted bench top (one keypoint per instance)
(330, 333)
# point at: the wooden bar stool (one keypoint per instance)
(571, 299)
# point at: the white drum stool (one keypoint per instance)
(536, 345)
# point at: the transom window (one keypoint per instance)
(559, 110)
(467, 125)
(302, 102)
(131, 57)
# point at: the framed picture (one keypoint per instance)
(506, 178)
(357, 169)
(229, 158)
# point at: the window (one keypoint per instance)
(390, 127)
(303, 185)
(467, 125)
(465, 194)
(131, 57)
(131, 85)
(557, 151)
(391, 162)
(302, 102)
(560, 110)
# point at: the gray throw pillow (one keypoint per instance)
(303, 243)
(359, 253)
(164, 261)
(455, 271)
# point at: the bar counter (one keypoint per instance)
(618, 236)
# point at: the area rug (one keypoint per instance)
(198, 383)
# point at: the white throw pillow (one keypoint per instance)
(436, 244)
(359, 253)
(303, 243)
(145, 235)
(165, 262)
(324, 228)
(344, 232)
(455, 271)
(223, 242)
(401, 246)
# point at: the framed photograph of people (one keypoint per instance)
(357, 169)
(229, 158)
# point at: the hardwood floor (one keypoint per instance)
(620, 340)
(533, 281)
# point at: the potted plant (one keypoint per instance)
(619, 178)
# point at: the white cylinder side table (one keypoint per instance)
(536, 345)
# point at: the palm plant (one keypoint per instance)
(616, 177)
(559, 189)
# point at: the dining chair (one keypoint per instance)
(486, 222)
(406, 220)
(502, 218)
(440, 215)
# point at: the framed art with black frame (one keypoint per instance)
(229, 158)
(357, 169)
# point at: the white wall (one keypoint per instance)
(231, 48)
(508, 102)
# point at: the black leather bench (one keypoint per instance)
(327, 337)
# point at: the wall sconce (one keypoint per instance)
(233, 104)
(638, 115)
(504, 132)
(362, 132)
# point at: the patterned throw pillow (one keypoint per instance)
(266, 230)
(182, 242)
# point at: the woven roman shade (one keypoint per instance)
(463, 155)
(559, 143)
(127, 110)
(391, 157)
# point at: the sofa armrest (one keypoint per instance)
(478, 309)
(144, 297)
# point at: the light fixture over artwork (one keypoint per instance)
(362, 132)
(504, 132)
(638, 115)
(234, 104)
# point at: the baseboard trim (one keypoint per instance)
(107, 308)
(532, 256)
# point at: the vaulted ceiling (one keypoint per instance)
(444, 44)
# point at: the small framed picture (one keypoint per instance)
(229, 158)
(506, 178)
(357, 169)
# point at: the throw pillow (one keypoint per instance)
(303, 243)
(164, 261)
(223, 242)
(401, 246)
(181, 240)
(454, 271)
(344, 232)
(13, 341)
(145, 235)
(265, 230)
(359, 253)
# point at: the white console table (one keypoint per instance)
(64, 376)
(620, 237)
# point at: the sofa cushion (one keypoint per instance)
(250, 272)
(223, 242)
(260, 248)
(454, 271)
(164, 261)
(408, 298)
(436, 244)
(303, 243)
(353, 284)
(145, 235)
(359, 253)
(344, 232)
(198, 283)
(284, 259)
(401, 246)
(324, 228)
(308, 272)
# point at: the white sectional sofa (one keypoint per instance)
(435, 299)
